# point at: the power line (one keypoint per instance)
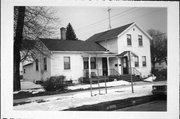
(121, 14)
(103, 20)
(125, 11)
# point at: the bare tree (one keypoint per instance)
(17, 46)
(38, 22)
(158, 46)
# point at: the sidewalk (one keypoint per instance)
(76, 99)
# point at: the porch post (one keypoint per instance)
(89, 61)
(118, 64)
(108, 66)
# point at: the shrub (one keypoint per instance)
(81, 79)
(160, 74)
(55, 83)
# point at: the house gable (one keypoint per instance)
(108, 35)
(135, 26)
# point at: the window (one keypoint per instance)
(85, 63)
(37, 67)
(129, 39)
(66, 62)
(93, 63)
(140, 40)
(24, 71)
(136, 61)
(143, 61)
(45, 64)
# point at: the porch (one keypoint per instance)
(109, 66)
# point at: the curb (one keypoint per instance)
(113, 105)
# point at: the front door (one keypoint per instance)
(104, 67)
(125, 65)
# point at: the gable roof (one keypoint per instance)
(108, 34)
(71, 45)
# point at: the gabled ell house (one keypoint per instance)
(119, 51)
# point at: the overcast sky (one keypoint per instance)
(87, 21)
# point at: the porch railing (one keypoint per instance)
(136, 72)
(101, 72)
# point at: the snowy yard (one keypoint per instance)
(28, 86)
(66, 101)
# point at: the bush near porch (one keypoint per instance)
(160, 74)
(55, 83)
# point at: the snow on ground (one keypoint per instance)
(86, 86)
(29, 86)
(71, 100)
(150, 79)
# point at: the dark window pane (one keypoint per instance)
(66, 62)
(144, 61)
(37, 67)
(129, 39)
(136, 61)
(45, 63)
(140, 40)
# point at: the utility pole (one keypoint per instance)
(129, 53)
(109, 9)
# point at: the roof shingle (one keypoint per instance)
(108, 34)
(71, 45)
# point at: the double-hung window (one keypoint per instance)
(67, 63)
(140, 40)
(144, 61)
(136, 61)
(93, 63)
(129, 41)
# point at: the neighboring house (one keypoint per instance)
(112, 52)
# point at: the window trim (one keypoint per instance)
(93, 62)
(136, 62)
(140, 38)
(129, 40)
(87, 63)
(68, 62)
(144, 61)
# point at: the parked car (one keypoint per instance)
(159, 89)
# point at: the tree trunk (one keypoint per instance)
(17, 47)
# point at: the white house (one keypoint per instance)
(118, 51)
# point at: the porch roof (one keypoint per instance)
(98, 54)
(126, 52)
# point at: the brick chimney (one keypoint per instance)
(63, 33)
